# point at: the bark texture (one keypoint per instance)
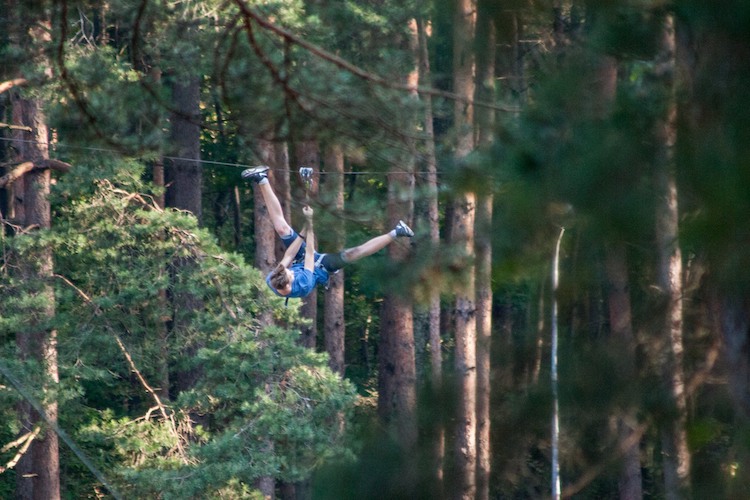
(183, 170)
(669, 277)
(333, 320)
(38, 472)
(265, 235)
(397, 377)
(485, 92)
(620, 319)
(462, 231)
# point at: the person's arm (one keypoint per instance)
(291, 252)
(310, 239)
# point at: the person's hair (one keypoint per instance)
(279, 279)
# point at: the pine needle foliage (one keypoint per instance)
(262, 405)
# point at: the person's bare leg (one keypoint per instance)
(368, 247)
(377, 243)
(275, 212)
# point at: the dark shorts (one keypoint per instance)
(332, 262)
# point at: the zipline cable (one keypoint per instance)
(202, 161)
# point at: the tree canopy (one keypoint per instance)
(177, 374)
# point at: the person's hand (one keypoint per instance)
(307, 212)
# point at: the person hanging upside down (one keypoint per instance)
(301, 268)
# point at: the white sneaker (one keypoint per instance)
(255, 174)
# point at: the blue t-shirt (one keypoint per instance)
(304, 281)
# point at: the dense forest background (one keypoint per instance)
(571, 319)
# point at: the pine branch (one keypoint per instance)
(356, 70)
(162, 407)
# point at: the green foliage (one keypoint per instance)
(133, 279)
(263, 405)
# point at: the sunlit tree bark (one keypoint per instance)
(333, 315)
(485, 92)
(669, 277)
(397, 376)
(433, 221)
(462, 232)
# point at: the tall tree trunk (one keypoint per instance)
(616, 268)
(485, 92)
(157, 177)
(268, 252)
(184, 172)
(154, 75)
(669, 279)
(462, 237)
(265, 235)
(620, 320)
(397, 375)
(553, 369)
(38, 473)
(433, 221)
(333, 315)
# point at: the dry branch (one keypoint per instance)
(9, 84)
(15, 127)
(59, 166)
(16, 173)
(26, 440)
(27, 166)
(247, 11)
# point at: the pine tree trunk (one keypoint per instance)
(397, 376)
(669, 280)
(265, 235)
(183, 172)
(38, 473)
(183, 178)
(268, 251)
(462, 238)
(433, 220)
(485, 92)
(333, 320)
(630, 482)
(618, 298)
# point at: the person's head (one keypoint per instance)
(281, 279)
